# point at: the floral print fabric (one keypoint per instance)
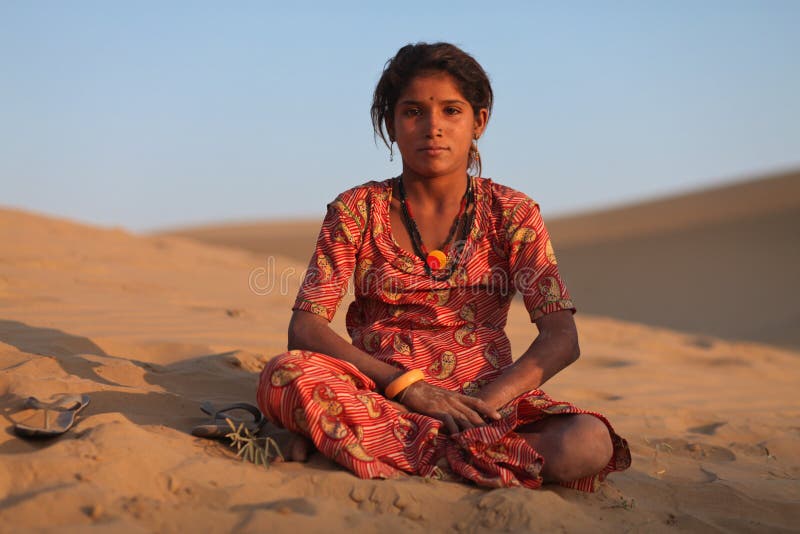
(452, 330)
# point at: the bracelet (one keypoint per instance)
(400, 383)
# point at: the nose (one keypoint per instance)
(433, 128)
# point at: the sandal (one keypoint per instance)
(52, 419)
(218, 427)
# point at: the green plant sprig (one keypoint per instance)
(252, 448)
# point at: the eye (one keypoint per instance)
(452, 110)
(412, 112)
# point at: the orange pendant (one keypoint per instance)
(436, 260)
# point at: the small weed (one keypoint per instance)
(252, 448)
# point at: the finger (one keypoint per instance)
(483, 408)
(464, 423)
(471, 416)
(464, 415)
(449, 423)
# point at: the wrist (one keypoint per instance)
(403, 382)
(495, 394)
(388, 378)
(401, 398)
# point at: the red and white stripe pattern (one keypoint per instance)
(451, 330)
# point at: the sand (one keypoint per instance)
(150, 326)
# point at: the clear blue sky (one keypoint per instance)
(151, 114)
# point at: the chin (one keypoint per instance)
(431, 171)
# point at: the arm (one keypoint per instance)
(554, 348)
(533, 268)
(312, 332)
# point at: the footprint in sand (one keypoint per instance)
(520, 510)
(700, 342)
(750, 449)
(695, 451)
(501, 510)
(708, 429)
(383, 498)
(607, 362)
(710, 476)
(299, 505)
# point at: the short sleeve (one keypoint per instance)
(532, 263)
(332, 263)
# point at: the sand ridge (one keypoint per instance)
(150, 327)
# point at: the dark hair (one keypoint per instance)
(424, 58)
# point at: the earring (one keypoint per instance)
(475, 148)
(391, 152)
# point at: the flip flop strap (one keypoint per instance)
(68, 403)
(208, 408)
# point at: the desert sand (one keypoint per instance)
(151, 326)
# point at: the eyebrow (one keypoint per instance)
(418, 102)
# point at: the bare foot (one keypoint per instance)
(293, 447)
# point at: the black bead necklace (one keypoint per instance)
(437, 260)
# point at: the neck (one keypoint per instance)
(434, 193)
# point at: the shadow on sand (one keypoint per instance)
(143, 392)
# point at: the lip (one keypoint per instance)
(433, 150)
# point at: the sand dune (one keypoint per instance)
(151, 326)
(720, 261)
(723, 261)
(294, 239)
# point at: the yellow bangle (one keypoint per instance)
(400, 383)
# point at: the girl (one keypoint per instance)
(428, 386)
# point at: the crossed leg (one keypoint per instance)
(573, 445)
(297, 448)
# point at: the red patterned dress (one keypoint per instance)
(453, 330)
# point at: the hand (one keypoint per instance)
(457, 412)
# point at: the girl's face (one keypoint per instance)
(434, 126)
